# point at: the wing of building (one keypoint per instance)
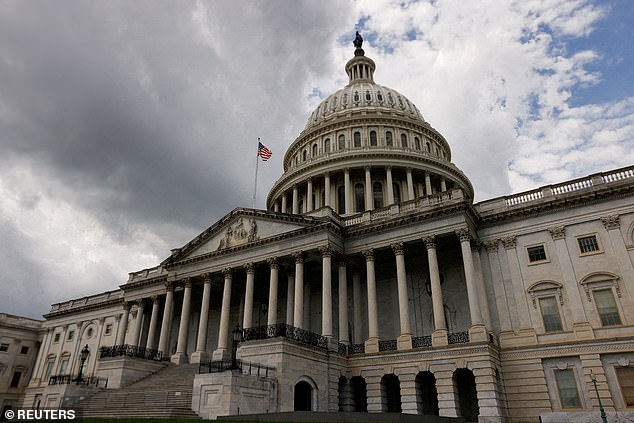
(372, 282)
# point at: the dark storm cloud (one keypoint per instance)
(146, 113)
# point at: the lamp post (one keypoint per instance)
(83, 356)
(593, 377)
(237, 338)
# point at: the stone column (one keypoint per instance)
(580, 324)
(347, 189)
(247, 321)
(200, 355)
(428, 190)
(356, 304)
(477, 331)
(284, 207)
(298, 308)
(62, 339)
(439, 336)
(273, 280)
(309, 195)
(138, 324)
(327, 189)
(276, 207)
(221, 352)
(343, 303)
(390, 185)
(501, 302)
(404, 341)
(123, 325)
(183, 330)
(290, 299)
(443, 184)
(410, 184)
(167, 318)
(372, 344)
(368, 190)
(151, 336)
(326, 291)
(295, 200)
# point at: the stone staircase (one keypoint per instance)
(164, 394)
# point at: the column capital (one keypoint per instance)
(557, 232)
(169, 286)
(187, 282)
(388, 167)
(298, 256)
(342, 261)
(398, 248)
(368, 254)
(126, 305)
(249, 267)
(491, 245)
(273, 264)
(326, 250)
(139, 302)
(206, 277)
(155, 299)
(611, 222)
(227, 272)
(430, 241)
(367, 168)
(463, 234)
(509, 242)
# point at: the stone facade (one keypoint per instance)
(372, 282)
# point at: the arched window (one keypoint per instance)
(373, 138)
(303, 396)
(388, 138)
(427, 393)
(357, 139)
(341, 200)
(427, 147)
(417, 143)
(314, 150)
(403, 140)
(466, 394)
(391, 393)
(304, 154)
(342, 142)
(327, 145)
(359, 393)
(397, 193)
(377, 189)
(359, 198)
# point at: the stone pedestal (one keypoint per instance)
(372, 345)
(199, 357)
(404, 342)
(439, 338)
(478, 333)
(583, 331)
(179, 358)
(221, 354)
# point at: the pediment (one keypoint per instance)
(240, 228)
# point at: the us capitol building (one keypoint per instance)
(371, 282)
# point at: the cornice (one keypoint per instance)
(84, 308)
(567, 349)
(145, 282)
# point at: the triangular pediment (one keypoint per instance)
(240, 228)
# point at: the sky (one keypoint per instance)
(129, 127)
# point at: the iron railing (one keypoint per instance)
(132, 351)
(240, 366)
(99, 382)
(421, 341)
(458, 338)
(388, 345)
(283, 330)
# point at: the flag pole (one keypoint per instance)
(255, 185)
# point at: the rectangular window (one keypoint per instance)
(15, 380)
(604, 299)
(71, 335)
(62, 366)
(24, 350)
(536, 253)
(567, 387)
(4, 347)
(108, 330)
(588, 244)
(56, 338)
(550, 314)
(49, 369)
(625, 375)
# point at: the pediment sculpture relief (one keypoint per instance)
(238, 234)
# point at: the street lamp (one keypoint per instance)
(237, 338)
(593, 377)
(83, 356)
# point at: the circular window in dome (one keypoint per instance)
(334, 103)
(368, 97)
(89, 332)
(356, 97)
(390, 99)
(344, 101)
(379, 97)
(325, 107)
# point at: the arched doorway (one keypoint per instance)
(359, 393)
(391, 393)
(466, 394)
(303, 396)
(427, 394)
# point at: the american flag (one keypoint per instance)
(264, 152)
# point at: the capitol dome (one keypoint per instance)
(365, 147)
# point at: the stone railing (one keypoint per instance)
(418, 204)
(132, 351)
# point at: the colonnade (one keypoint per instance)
(296, 299)
(317, 192)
